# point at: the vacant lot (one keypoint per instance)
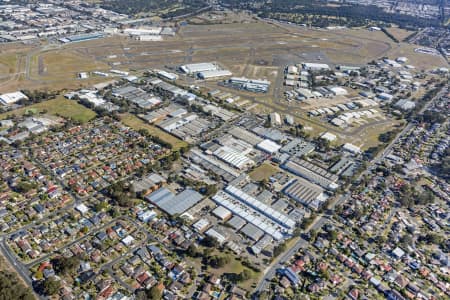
(58, 107)
(368, 136)
(263, 172)
(136, 123)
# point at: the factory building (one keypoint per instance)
(81, 37)
(201, 225)
(167, 75)
(262, 208)
(233, 158)
(222, 213)
(143, 31)
(250, 215)
(11, 98)
(212, 74)
(174, 204)
(275, 119)
(298, 147)
(217, 234)
(338, 91)
(197, 68)
(268, 146)
(306, 193)
(252, 85)
(351, 148)
(315, 67)
(305, 93)
(312, 173)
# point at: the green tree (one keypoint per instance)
(51, 286)
(210, 241)
(11, 288)
(154, 293)
(65, 265)
(244, 275)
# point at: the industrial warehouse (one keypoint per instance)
(205, 71)
(251, 85)
(174, 204)
(137, 96)
(306, 193)
(312, 172)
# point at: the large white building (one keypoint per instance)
(233, 157)
(11, 98)
(143, 31)
(210, 74)
(197, 68)
(315, 67)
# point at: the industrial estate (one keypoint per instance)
(200, 150)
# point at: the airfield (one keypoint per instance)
(251, 48)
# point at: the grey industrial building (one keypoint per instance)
(312, 173)
(174, 204)
(306, 193)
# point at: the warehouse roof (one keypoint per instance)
(245, 135)
(233, 157)
(217, 234)
(298, 147)
(304, 192)
(351, 148)
(268, 146)
(174, 204)
(236, 222)
(10, 98)
(214, 73)
(263, 208)
(249, 214)
(252, 232)
(312, 172)
(221, 212)
(200, 67)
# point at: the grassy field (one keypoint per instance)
(60, 107)
(63, 63)
(419, 60)
(8, 63)
(369, 136)
(263, 172)
(233, 267)
(136, 123)
(399, 33)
